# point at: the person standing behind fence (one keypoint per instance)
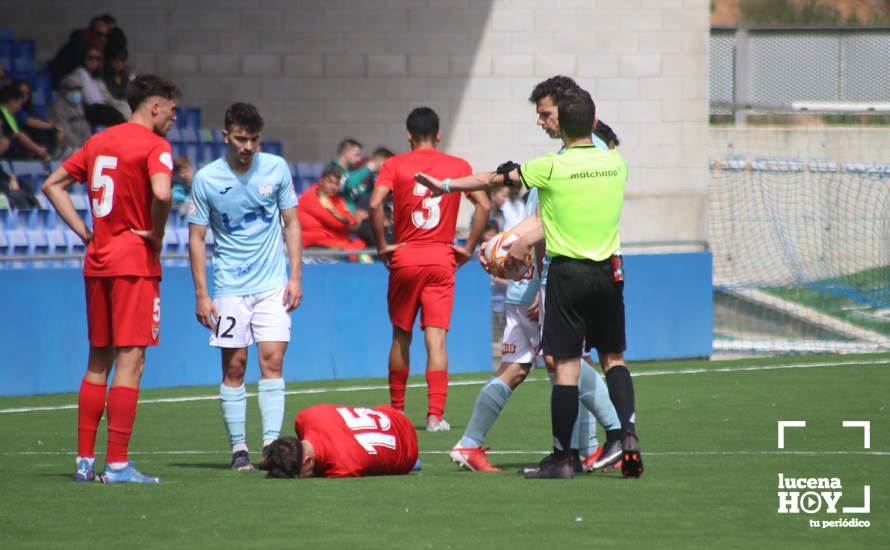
(245, 197)
(424, 257)
(128, 169)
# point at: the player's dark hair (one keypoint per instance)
(577, 113)
(382, 152)
(555, 87)
(145, 86)
(422, 123)
(244, 115)
(605, 133)
(332, 170)
(346, 144)
(284, 458)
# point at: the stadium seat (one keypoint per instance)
(41, 90)
(182, 235)
(174, 135)
(23, 56)
(17, 242)
(4, 243)
(189, 135)
(217, 136)
(273, 147)
(206, 135)
(310, 169)
(81, 202)
(28, 168)
(6, 33)
(55, 240)
(37, 242)
(189, 118)
(6, 53)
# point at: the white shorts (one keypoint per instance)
(243, 320)
(522, 336)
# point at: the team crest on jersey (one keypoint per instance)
(265, 189)
(166, 159)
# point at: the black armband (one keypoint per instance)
(505, 169)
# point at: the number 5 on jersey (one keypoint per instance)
(102, 186)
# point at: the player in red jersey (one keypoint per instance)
(128, 168)
(423, 259)
(337, 441)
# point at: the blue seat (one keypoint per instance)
(41, 90)
(189, 135)
(17, 242)
(6, 33)
(23, 56)
(273, 147)
(173, 135)
(182, 235)
(207, 135)
(28, 168)
(7, 46)
(310, 169)
(4, 242)
(55, 240)
(189, 118)
(194, 152)
(37, 241)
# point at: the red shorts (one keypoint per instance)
(123, 311)
(428, 287)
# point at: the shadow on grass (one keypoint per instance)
(202, 465)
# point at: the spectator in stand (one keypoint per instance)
(362, 200)
(349, 160)
(18, 196)
(67, 114)
(324, 217)
(101, 108)
(183, 172)
(20, 145)
(41, 132)
(71, 54)
(116, 74)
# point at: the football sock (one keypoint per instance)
(233, 402)
(121, 415)
(271, 397)
(398, 379)
(437, 391)
(621, 390)
(594, 397)
(489, 403)
(563, 412)
(90, 406)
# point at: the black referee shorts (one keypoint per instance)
(585, 308)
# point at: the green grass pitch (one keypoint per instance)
(708, 432)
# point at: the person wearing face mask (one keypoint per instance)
(67, 114)
(101, 108)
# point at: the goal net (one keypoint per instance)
(799, 227)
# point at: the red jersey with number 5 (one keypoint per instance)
(116, 165)
(424, 224)
(356, 442)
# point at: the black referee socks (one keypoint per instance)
(563, 412)
(621, 391)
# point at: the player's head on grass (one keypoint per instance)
(423, 128)
(545, 96)
(577, 115)
(243, 126)
(153, 102)
(285, 458)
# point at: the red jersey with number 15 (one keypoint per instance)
(424, 224)
(116, 164)
(356, 441)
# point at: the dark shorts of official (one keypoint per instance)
(585, 308)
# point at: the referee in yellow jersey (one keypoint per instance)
(581, 192)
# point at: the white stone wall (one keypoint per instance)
(323, 70)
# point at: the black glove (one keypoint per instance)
(505, 169)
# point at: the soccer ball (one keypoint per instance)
(496, 255)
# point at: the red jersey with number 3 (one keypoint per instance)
(424, 224)
(116, 165)
(356, 441)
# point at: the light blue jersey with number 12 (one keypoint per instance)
(244, 213)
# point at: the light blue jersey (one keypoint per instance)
(546, 261)
(244, 213)
(523, 292)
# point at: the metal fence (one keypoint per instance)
(778, 66)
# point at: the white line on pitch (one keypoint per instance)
(308, 391)
(504, 452)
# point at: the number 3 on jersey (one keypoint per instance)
(429, 214)
(102, 185)
(368, 419)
